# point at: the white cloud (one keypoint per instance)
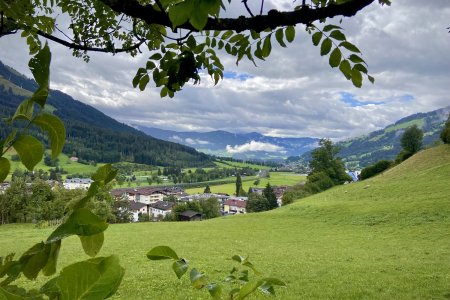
(254, 146)
(196, 141)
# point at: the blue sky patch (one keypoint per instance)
(235, 75)
(350, 99)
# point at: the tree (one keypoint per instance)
(210, 207)
(171, 31)
(207, 190)
(445, 134)
(238, 184)
(325, 160)
(412, 139)
(269, 194)
(257, 203)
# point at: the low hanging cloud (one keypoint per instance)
(196, 141)
(254, 146)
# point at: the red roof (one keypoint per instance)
(237, 203)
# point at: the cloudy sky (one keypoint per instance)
(293, 93)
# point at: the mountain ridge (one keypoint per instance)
(91, 134)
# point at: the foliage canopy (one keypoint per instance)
(184, 37)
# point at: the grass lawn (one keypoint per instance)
(384, 238)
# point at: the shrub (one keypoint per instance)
(375, 169)
(445, 134)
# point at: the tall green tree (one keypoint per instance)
(257, 203)
(324, 160)
(445, 134)
(207, 190)
(238, 184)
(411, 140)
(269, 194)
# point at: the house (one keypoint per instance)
(137, 208)
(77, 183)
(160, 209)
(190, 215)
(235, 206)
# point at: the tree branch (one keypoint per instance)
(86, 48)
(272, 19)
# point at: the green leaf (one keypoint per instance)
(24, 110)
(316, 37)
(330, 27)
(346, 69)
(249, 288)
(105, 174)
(40, 257)
(5, 166)
(371, 79)
(267, 46)
(162, 252)
(215, 290)
(92, 243)
(238, 258)
(81, 222)
(40, 67)
(96, 278)
(290, 33)
(156, 56)
(30, 150)
(279, 37)
(55, 129)
(6, 295)
(180, 267)
(325, 47)
(226, 34)
(179, 13)
(274, 281)
(50, 266)
(360, 68)
(143, 82)
(356, 78)
(335, 58)
(337, 35)
(349, 46)
(198, 280)
(356, 59)
(198, 19)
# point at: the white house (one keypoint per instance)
(138, 208)
(77, 183)
(160, 209)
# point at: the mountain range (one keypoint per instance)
(246, 146)
(92, 135)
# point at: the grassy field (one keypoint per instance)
(384, 238)
(64, 162)
(232, 164)
(276, 178)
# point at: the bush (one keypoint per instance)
(445, 134)
(318, 182)
(375, 169)
(402, 156)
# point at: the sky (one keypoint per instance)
(294, 93)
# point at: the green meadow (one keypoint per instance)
(276, 179)
(383, 238)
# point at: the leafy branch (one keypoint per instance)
(240, 281)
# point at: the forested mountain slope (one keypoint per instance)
(92, 135)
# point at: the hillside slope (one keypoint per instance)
(92, 135)
(383, 238)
